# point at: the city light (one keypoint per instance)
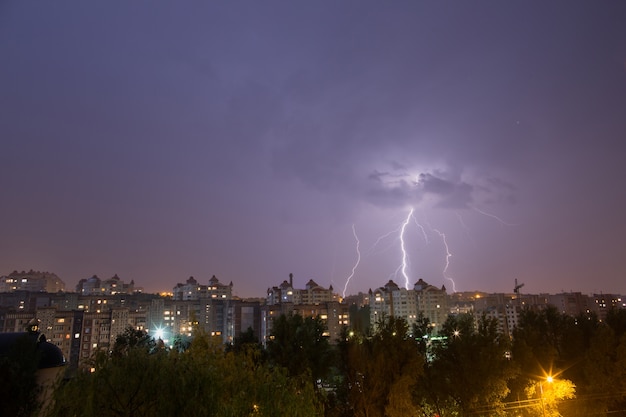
(159, 333)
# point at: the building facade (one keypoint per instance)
(31, 281)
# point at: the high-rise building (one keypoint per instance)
(392, 300)
(192, 290)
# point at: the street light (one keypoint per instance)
(549, 380)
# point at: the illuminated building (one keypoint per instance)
(312, 301)
(111, 286)
(392, 300)
(192, 290)
(31, 281)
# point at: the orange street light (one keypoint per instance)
(549, 380)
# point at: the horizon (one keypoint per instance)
(295, 286)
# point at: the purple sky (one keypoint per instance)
(159, 140)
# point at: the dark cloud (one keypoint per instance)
(401, 190)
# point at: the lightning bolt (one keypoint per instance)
(401, 230)
(369, 252)
(358, 260)
(448, 256)
(421, 228)
(465, 228)
(403, 248)
(462, 222)
(493, 216)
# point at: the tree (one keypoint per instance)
(298, 344)
(131, 339)
(203, 380)
(382, 370)
(245, 341)
(19, 390)
(546, 341)
(549, 393)
(604, 367)
(422, 332)
(470, 369)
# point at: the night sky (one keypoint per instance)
(158, 140)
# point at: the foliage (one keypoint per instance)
(604, 367)
(538, 343)
(359, 318)
(245, 341)
(537, 340)
(422, 332)
(132, 339)
(382, 370)
(470, 371)
(18, 385)
(299, 345)
(201, 381)
(465, 370)
(549, 394)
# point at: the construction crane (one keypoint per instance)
(517, 288)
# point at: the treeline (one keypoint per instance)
(469, 369)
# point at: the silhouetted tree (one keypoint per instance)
(131, 339)
(245, 341)
(470, 370)
(298, 344)
(203, 380)
(19, 390)
(382, 370)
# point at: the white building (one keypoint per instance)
(191, 290)
(392, 300)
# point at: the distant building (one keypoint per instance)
(31, 281)
(90, 319)
(111, 286)
(192, 290)
(572, 303)
(433, 302)
(312, 301)
(384, 302)
(313, 293)
(392, 300)
(605, 302)
(336, 316)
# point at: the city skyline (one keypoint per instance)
(115, 285)
(475, 143)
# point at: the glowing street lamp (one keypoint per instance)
(549, 380)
